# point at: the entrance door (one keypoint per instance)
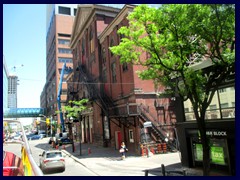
(118, 139)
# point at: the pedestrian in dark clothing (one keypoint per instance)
(123, 149)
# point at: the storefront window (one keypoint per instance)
(221, 107)
(218, 151)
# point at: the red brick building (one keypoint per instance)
(120, 101)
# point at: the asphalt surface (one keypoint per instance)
(106, 161)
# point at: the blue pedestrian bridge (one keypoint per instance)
(23, 112)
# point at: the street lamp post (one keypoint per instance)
(80, 134)
(51, 126)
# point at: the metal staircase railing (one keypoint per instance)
(131, 109)
(134, 109)
(156, 129)
(106, 102)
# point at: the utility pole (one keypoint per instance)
(51, 126)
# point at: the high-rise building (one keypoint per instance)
(12, 91)
(5, 84)
(60, 18)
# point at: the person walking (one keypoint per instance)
(123, 149)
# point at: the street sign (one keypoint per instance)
(147, 124)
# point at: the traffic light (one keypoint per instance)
(37, 121)
(47, 121)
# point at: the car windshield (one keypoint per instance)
(54, 154)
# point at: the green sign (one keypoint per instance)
(217, 155)
(199, 152)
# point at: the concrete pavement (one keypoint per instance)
(106, 161)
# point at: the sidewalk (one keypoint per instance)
(104, 161)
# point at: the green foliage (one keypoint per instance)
(173, 33)
(176, 37)
(75, 107)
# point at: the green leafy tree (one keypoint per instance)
(74, 108)
(175, 37)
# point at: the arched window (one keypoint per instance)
(111, 45)
(91, 41)
(83, 47)
(103, 55)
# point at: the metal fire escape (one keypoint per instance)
(113, 111)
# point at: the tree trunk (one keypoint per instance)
(205, 146)
(206, 153)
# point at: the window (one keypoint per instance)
(64, 35)
(131, 139)
(103, 55)
(224, 105)
(186, 109)
(83, 47)
(114, 75)
(75, 11)
(66, 60)
(125, 66)
(222, 90)
(111, 45)
(91, 41)
(64, 10)
(104, 76)
(63, 41)
(214, 106)
(64, 51)
(221, 107)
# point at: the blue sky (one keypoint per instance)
(24, 37)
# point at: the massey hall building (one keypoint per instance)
(120, 103)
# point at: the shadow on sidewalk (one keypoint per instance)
(93, 151)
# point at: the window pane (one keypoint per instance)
(64, 10)
(63, 41)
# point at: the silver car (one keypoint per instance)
(52, 160)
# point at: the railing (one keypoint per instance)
(130, 109)
(94, 91)
(30, 167)
(164, 172)
(134, 109)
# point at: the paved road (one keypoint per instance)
(107, 161)
(72, 167)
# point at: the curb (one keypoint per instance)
(77, 160)
(73, 157)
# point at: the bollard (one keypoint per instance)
(164, 147)
(64, 147)
(163, 170)
(146, 172)
(152, 150)
(143, 152)
(159, 148)
(184, 172)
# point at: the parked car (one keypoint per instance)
(62, 138)
(64, 141)
(30, 135)
(42, 133)
(17, 137)
(52, 160)
(35, 137)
